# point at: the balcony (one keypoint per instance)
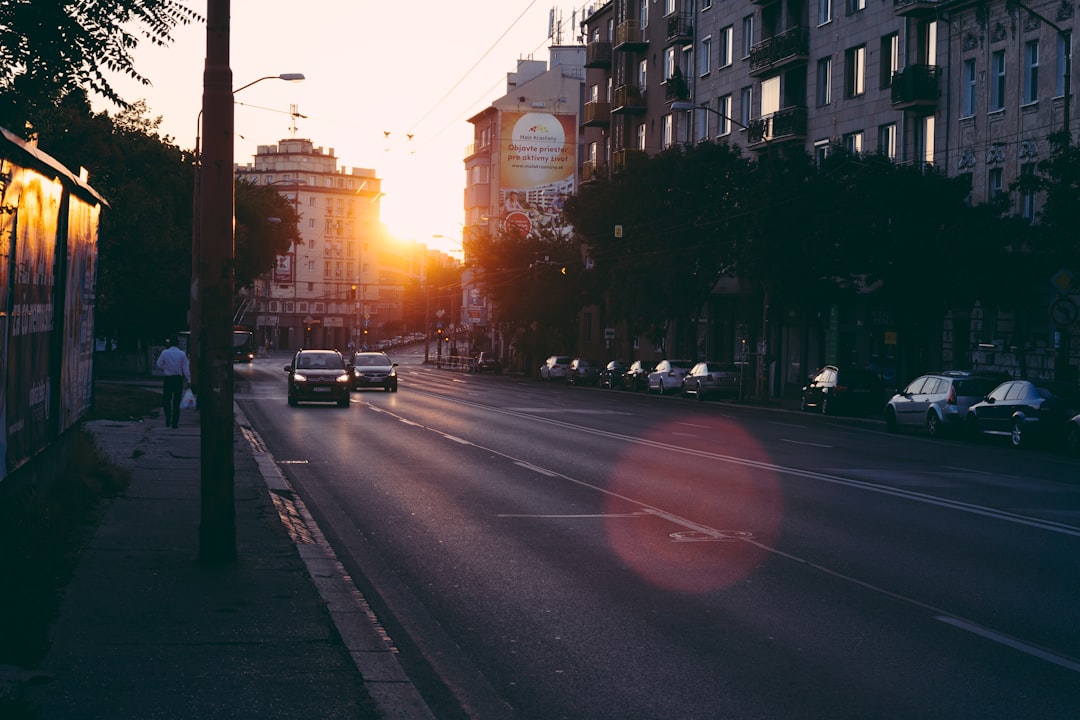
(629, 37)
(783, 126)
(780, 51)
(680, 28)
(598, 55)
(629, 100)
(916, 88)
(593, 171)
(597, 114)
(676, 89)
(916, 8)
(621, 160)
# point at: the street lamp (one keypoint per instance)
(212, 289)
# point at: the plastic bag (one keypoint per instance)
(188, 400)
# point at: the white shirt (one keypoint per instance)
(174, 361)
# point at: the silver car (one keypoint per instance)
(939, 401)
(712, 378)
(668, 375)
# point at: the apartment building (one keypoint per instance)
(971, 88)
(338, 285)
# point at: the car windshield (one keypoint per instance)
(314, 361)
(370, 360)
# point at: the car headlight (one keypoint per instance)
(297, 377)
(392, 373)
(343, 378)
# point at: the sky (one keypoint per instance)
(376, 73)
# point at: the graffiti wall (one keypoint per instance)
(48, 245)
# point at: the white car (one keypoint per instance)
(668, 375)
(555, 367)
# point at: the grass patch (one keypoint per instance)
(120, 401)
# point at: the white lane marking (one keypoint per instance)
(714, 534)
(803, 442)
(694, 425)
(1010, 642)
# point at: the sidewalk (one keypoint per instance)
(147, 631)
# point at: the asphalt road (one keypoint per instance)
(542, 551)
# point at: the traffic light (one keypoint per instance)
(352, 293)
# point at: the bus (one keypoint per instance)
(243, 345)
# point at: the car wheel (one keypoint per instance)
(802, 404)
(1017, 436)
(292, 401)
(933, 425)
(971, 427)
(660, 387)
(343, 403)
(698, 391)
(386, 388)
(393, 388)
(824, 405)
(890, 420)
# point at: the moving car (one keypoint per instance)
(712, 378)
(668, 374)
(373, 369)
(939, 401)
(318, 376)
(850, 391)
(612, 375)
(636, 377)
(1025, 410)
(555, 367)
(582, 372)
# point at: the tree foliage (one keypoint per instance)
(49, 48)
(266, 225)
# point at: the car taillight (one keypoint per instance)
(951, 400)
(841, 388)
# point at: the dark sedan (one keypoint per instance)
(318, 376)
(582, 372)
(373, 370)
(636, 378)
(852, 391)
(611, 377)
(1025, 410)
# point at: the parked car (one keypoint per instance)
(611, 377)
(712, 378)
(318, 376)
(555, 367)
(582, 371)
(636, 377)
(939, 401)
(668, 374)
(1026, 410)
(373, 369)
(846, 391)
(1072, 436)
(487, 362)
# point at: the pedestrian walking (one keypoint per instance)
(173, 363)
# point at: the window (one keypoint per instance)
(701, 123)
(669, 63)
(705, 56)
(967, 91)
(746, 99)
(669, 7)
(821, 151)
(641, 137)
(643, 13)
(747, 35)
(854, 6)
(855, 71)
(1027, 199)
(824, 81)
(994, 184)
(853, 142)
(667, 138)
(997, 81)
(643, 69)
(824, 11)
(924, 140)
(706, 4)
(723, 104)
(727, 39)
(1063, 42)
(1031, 72)
(890, 58)
(887, 141)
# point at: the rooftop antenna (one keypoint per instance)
(294, 112)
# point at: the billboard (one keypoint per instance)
(537, 168)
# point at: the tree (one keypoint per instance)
(49, 49)
(266, 226)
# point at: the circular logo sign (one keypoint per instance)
(520, 222)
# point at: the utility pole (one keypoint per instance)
(217, 529)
